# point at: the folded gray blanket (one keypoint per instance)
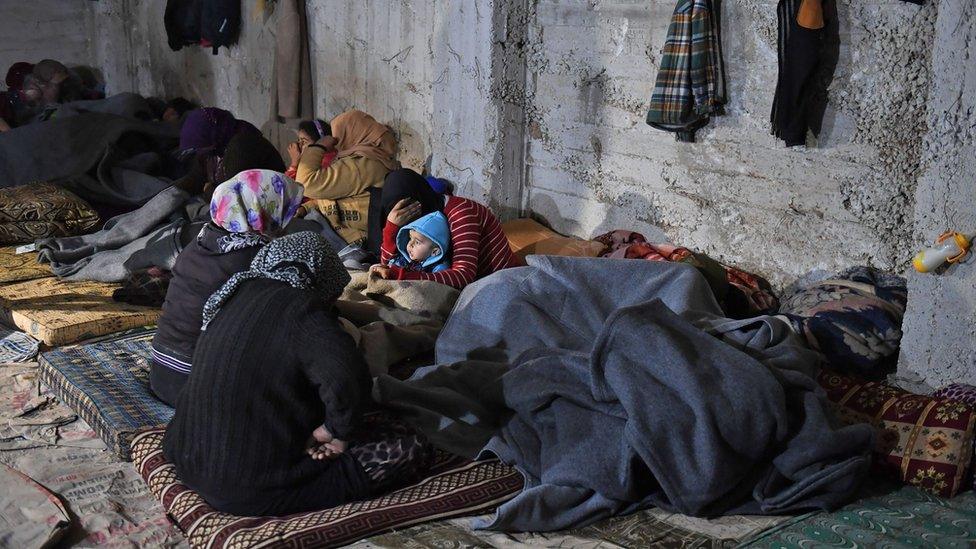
(102, 157)
(614, 385)
(149, 236)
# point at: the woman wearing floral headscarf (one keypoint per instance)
(343, 191)
(246, 213)
(267, 422)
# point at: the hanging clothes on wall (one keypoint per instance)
(690, 85)
(802, 32)
(210, 23)
(291, 94)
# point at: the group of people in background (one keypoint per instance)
(269, 390)
(32, 89)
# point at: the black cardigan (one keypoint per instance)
(200, 270)
(272, 366)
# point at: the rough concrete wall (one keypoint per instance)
(428, 68)
(738, 194)
(478, 117)
(39, 29)
(133, 50)
(939, 343)
(375, 56)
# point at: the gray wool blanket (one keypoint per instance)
(102, 157)
(149, 236)
(615, 385)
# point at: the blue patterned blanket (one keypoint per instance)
(106, 383)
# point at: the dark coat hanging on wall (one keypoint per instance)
(211, 23)
(800, 87)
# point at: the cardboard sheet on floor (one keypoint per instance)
(16, 267)
(112, 505)
(454, 487)
(60, 313)
(107, 384)
(30, 515)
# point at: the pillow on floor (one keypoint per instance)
(923, 440)
(42, 210)
(854, 319)
(528, 237)
(962, 393)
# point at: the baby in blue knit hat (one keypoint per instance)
(424, 245)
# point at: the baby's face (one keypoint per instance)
(420, 247)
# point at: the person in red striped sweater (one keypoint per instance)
(478, 245)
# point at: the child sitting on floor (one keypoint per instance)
(309, 131)
(423, 245)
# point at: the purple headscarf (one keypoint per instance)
(211, 128)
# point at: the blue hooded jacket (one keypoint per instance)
(433, 226)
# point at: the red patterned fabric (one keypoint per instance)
(923, 441)
(453, 487)
(964, 393)
(741, 294)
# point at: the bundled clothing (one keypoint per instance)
(243, 447)
(802, 35)
(244, 212)
(740, 294)
(145, 287)
(366, 153)
(210, 23)
(434, 227)
(690, 84)
(479, 247)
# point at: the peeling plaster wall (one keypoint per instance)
(939, 343)
(424, 67)
(738, 194)
(39, 29)
(375, 56)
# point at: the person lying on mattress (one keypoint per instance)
(422, 245)
(478, 245)
(267, 422)
(246, 212)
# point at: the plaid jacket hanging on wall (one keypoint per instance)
(690, 82)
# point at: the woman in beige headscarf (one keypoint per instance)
(341, 191)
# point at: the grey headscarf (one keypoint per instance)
(303, 260)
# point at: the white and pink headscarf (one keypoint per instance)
(260, 201)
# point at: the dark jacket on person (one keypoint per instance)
(273, 365)
(200, 270)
